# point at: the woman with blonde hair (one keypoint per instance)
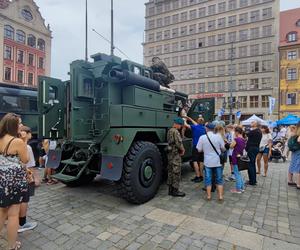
(294, 169)
(13, 182)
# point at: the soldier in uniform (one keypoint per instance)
(175, 151)
(161, 72)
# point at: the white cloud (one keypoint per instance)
(67, 21)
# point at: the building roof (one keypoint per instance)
(289, 23)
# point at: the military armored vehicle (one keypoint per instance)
(111, 118)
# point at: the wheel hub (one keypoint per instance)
(147, 172)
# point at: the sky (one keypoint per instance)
(67, 22)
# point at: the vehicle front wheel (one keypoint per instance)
(142, 172)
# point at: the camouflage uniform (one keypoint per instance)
(174, 158)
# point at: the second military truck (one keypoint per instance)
(111, 119)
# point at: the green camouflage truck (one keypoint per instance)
(110, 119)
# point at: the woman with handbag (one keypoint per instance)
(294, 169)
(13, 182)
(265, 150)
(238, 145)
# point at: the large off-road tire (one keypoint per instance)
(83, 180)
(142, 172)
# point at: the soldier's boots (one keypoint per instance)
(170, 190)
(177, 193)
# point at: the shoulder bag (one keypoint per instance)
(222, 155)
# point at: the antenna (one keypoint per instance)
(112, 47)
(107, 40)
(86, 30)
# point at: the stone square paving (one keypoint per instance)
(95, 217)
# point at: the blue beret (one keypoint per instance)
(179, 121)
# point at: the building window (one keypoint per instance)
(201, 27)
(243, 101)
(158, 36)
(211, 56)
(201, 57)
(21, 37)
(254, 67)
(292, 74)
(243, 18)
(211, 25)
(254, 33)
(159, 50)
(232, 36)
(253, 101)
(167, 34)
(266, 83)
(192, 58)
(221, 70)
(254, 16)
(166, 48)
(221, 54)
(291, 99)
(30, 79)
(20, 56)
(265, 101)
(31, 59)
(243, 84)
(267, 30)
(267, 13)
(7, 74)
(183, 60)
(292, 37)
(211, 40)
(193, 44)
(221, 86)
(192, 29)
(183, 45)
(243, 35)
(210, 71)
(243, 51)
(201, 42)
(232, 5)
(201, 87)
(167, 20)
(202, 12)
(243, 68)
(183, 31)
(193, 14)
(159, 22)
(254, 83)
(201, 72)
(175, 18)
(151, 37)
(211, 87)
(292, 55)
(31, 41)
(266, 48)
(231, 53)
(20, 76)
(9, 32)
(222, 7)
(183, 16)
(266, 65)
(175, 61)
(175, 47)
(221, 22)
(221, 38)
(232, 21)
(212, 9)
(7, 52)
(254, 50)
(243, 3)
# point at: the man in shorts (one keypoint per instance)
(198, 129)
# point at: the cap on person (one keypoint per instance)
(210, 126)
(179, 121)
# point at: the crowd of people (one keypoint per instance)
(214, 144)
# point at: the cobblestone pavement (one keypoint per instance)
(94, 217)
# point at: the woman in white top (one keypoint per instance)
(265, 150)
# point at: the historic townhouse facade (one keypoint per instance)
(25, 43)
(289, 62)
(212, 46)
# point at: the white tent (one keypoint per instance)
(255, 118)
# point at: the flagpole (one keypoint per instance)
(86, 30)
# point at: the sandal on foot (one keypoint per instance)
(17, 246)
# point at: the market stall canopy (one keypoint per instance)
(289, 120)
(254, 118)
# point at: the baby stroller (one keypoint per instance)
(277, 152)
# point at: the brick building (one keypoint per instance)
(25, 43)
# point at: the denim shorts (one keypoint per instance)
(265, 152)
(218, 173)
